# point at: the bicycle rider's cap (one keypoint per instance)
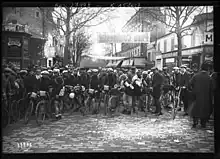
(145, 72)
(94, 70)
(89, 71)
(183, 66)
(176, 68)
(45, 73)
(23, 71)
(65, 71)
(154, 68)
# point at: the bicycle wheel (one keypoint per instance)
(174, 108)
(40, 112)
(88, 104)
(5, 115)
(28, 112)
(93, 106)
(15, 112)
(106, 104)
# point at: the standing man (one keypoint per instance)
(157, 82)
(184, 83)
(202, 93)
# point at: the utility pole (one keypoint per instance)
(43, 33)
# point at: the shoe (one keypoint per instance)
(194, 125)
(203, 126)
(185, 114)
(155, 112)
(160, 114)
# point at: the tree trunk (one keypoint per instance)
(67, 38)
(179, 53)
(179, 37)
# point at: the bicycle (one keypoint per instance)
(91, 102)
(167, 98)
(114, 100)
(68, 99)
(42, 107)
(32, 96)
(5, 112)
(176, 104)
(56, 103)
(13, 108)
(106, 98)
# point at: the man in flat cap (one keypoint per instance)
(184, 84)
(202, 91)
(157, 82)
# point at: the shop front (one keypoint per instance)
(36, 49)
(15, 48)
(189, 56)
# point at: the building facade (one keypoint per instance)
(197, 45)
(37, 21)
(141, 21)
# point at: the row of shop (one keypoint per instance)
(189, 56)
(20, 49)
(138, 62)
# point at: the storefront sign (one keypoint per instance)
(173, 54)
(191, 51)
(128, 37)
(208, 38)
(14, 42)
(170, 60)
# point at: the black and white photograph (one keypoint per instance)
(115, 78)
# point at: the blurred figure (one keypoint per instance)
(202, 93)
(157, 81)
(184, 84)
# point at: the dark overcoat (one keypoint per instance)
(202, 94)
(157, 83)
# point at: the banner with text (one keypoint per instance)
(128, 37)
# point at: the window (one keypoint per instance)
(37, 14)
(165, 45)
(172, 44)
(158, 46)
(149, 56)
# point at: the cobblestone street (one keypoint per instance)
(121, 133)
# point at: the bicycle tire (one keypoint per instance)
(106, 104)
(87, 106)
(38, 112)
(15, 111)
(28, 112)
(93, 106)
(5, 118)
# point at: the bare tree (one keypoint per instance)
(81, 43)
(176, 19)
(71, 19)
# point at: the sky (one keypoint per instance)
(123, 15)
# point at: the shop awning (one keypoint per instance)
(127, 63)
(139, 62)
(117, 64)
(88, 63)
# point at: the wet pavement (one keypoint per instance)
(99, 133)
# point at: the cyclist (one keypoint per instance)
(184, 83)
(166, 86)
(126, 81)
(137, 83)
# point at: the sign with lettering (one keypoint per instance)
(14, 42)
(128, 37)
(208, 38)
(172, 54)
(170, 60)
